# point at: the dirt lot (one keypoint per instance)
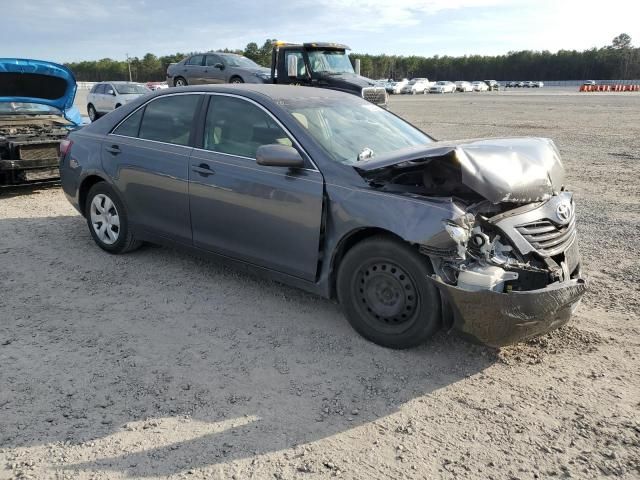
(158, 364)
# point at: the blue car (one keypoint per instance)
(36, 113)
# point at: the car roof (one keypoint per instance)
(270, 91)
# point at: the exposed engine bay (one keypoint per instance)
(508, 265)
(29, 148)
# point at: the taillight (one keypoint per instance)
(65, 146)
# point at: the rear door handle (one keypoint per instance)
(203, 169)
(113, 149)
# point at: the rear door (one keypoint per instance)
(267, 216)
(193, 70)
(147, 156)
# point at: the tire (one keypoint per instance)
(383, 289)
(93, 113)
(103, 206)
(236, 80)
(180, 82)
(425, 91)
(118, 105)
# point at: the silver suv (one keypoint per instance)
(107, 96)
(216, 67)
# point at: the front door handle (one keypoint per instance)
(113, 149)
(203, 169)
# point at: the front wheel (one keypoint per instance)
(108, 221)
(180, 82)
(237, 80)
(93, 114)
(383, 289)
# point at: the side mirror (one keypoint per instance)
(292, 66)
(111, 92)
(276, 155)
(219, 66)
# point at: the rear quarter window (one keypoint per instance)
(131, 126)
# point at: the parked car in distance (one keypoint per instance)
(216, 67)
(493, 85)
(325, 191)
(36, 114)
(443, 87)
(538, 84)
(105, 97)
(420, 85)
(479, 86)
(397, 87)
(408, 87)
(528, 84)
(153, 86)
(590, 82)
(462, 86)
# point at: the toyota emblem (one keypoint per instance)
(563, 212)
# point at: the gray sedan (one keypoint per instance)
(326, 192)
(216, 67)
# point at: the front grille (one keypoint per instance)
(377, 95)
(547, 237)
(39, 151)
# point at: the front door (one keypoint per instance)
(302, 75)
(267, 216)
(147, 156)
(213, 69)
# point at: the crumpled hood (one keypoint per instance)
(41, 82)
(518, 170)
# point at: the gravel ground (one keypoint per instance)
(158, 364)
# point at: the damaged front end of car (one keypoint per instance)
(508, 266)
(36, 114)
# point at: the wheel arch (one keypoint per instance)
(85, 186)
(350, 240)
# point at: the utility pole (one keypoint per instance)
(129, 65)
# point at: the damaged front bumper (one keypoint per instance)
(497, 319)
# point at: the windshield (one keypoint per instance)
(239, 61)
(330, 61)
(131, 89)
(20, 108)
(351, 129)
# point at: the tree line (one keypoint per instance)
(617, 61)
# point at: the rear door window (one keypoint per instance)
(195, 60)
(169, 119)
(238, 127)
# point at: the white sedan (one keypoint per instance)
(443, 87)
(462, 86)
(479, 86)
(421, 85)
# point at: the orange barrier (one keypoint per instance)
(609, 88)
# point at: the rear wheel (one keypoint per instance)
(107, 220)
(180, 82)
(383, 288)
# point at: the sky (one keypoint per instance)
(74, 30)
